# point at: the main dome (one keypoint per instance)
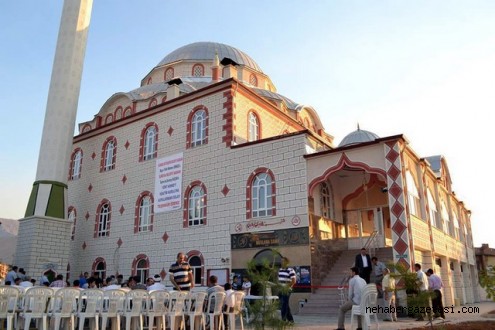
(206, 51)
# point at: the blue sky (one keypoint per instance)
(422, 68)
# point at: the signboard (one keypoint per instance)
(283, 237)
(168, 183)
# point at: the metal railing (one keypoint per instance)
(372, 244)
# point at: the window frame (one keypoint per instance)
(76, 164)
(252, 195)
(139, 225)
(197, 127)
(253, 127)
(103, 219)
(149, 143)
(108, 154)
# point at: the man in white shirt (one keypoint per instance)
(356, 285)
(111, 284)
(422, 282)
(388, 287)
(26, 283)
(157, 285)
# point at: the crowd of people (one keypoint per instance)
(180, 276)
(368, 270)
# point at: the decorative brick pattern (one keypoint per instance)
(396, 196)
(225, 190)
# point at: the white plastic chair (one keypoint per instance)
(36, 300)
(176, 309)
(214, 310)
(157, 308)
(238, 308)
(113, 307)
(89, 307)
(64, 306)
(365, 309)
(136, 305)
(8, 304)
(194, 309)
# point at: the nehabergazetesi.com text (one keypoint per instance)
(421, 310)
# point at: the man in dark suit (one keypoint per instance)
(363, 264)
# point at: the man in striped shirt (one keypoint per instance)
(181, 274)
(286, 277)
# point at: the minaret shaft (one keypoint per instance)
(44, 233)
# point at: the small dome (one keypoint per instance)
(358, 136)
(205, 51)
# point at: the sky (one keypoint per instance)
(425, 69)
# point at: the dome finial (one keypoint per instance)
(216, 62)
(358, 127)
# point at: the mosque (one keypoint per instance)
(207, 158)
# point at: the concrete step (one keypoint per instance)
(326, 301)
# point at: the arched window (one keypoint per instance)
(198, 127)
(196, 206)
(149, 142)
(142, 270)
(103, 217)
(445, 218)
(152, 103)
(109, 154)
(109, 118)
(100, 267)
(144, 214)
(413, 196)
(169, 74)
(198, 70)
(72, 219)
(75, 164)
(127, 112)
(455, 220)
(197, 269)
(118, 113)
(435, 220)
(326, 201)
(260, 201)
(253, 80)
(150, 81)
(141, 267)
(254, 127)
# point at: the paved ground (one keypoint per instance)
(465, 313)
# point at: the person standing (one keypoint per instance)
(181, 274)
(363, 264)
(11, 275)
(388, 287)
(286, 277)
(356, 285)
(422, 283)
(246, 285)
(378, 268)
(235, 283)
(435, 284)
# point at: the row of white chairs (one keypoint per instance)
(95, 305)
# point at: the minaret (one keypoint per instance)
(44, 232)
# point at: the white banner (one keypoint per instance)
(168, 183)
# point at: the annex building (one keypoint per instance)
(206, 157)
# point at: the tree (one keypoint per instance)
(487, 281)
(264, 275)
